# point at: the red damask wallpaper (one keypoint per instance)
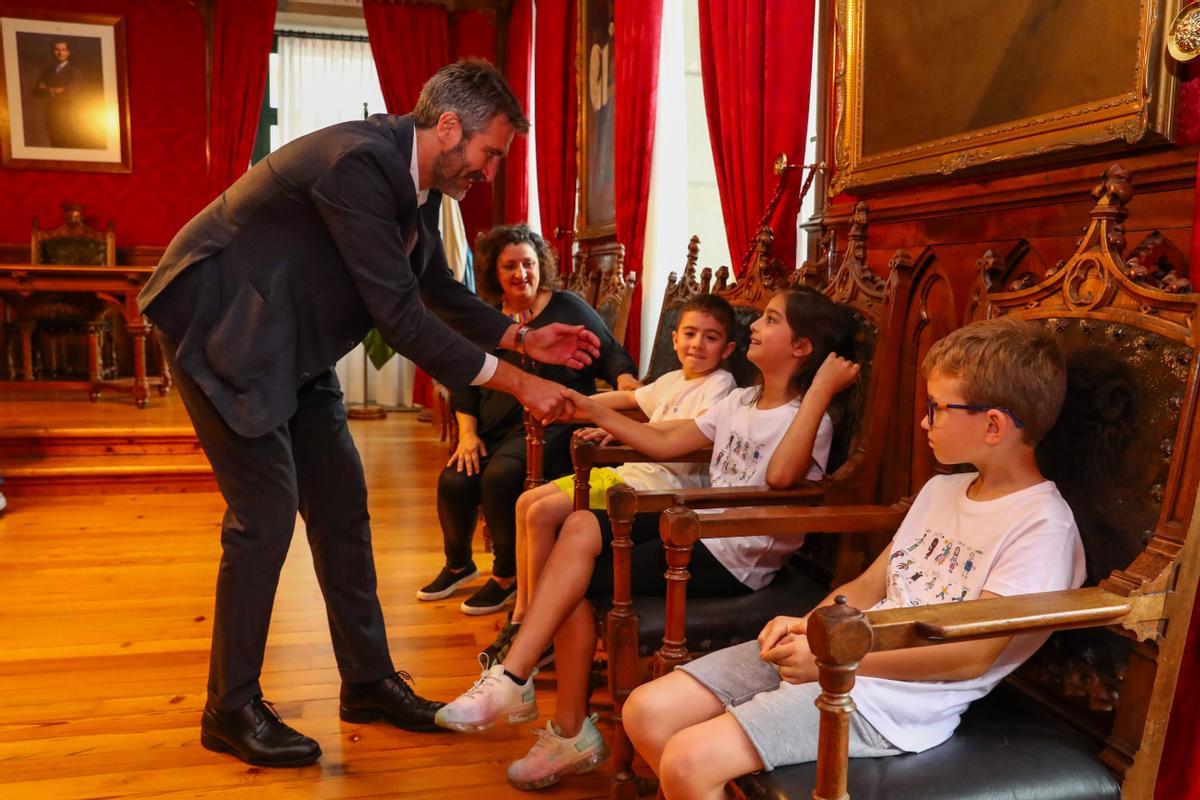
(165, 41)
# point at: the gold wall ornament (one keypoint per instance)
(977, 84)
(1183, 38)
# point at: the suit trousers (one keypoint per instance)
(308, 465)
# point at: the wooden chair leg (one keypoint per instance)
(674, 645)
(622, 638)
(836, 676)
(485, 534)
(95, 358)
(141, 386)
(535, 446)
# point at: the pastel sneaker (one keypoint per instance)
(495, 697)
(553, 756)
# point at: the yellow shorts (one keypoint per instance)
(603, 478)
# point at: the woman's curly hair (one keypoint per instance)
(490, 243)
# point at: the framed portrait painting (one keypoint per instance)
(64, 101)
(597, 190)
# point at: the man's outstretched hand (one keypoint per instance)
(573, 346)
(544, 399)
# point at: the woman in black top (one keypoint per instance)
(516, 267)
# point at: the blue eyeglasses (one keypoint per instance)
(932, 408)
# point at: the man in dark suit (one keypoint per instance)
(61, 86)
(254, 302)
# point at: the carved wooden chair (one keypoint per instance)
(637, 625)
(47, 326)
(1086, 716)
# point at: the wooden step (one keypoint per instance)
(29, 441)
(120, 473)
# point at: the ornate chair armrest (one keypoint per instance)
(682, 524)
(586, 454)
(841, 636)
(623, 500)
(895, 629)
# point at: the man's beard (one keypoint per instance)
(450, 175)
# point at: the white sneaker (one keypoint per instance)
(553, 756)
(494, 697)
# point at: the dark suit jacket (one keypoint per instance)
(288, 269)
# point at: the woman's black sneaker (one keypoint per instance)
(490, 598)
(446, 582)
(497, 651)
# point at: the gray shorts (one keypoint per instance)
(780, 719)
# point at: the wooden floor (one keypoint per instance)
(104, 631)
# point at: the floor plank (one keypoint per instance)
(106, 619)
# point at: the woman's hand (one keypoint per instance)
(571, 345)
(835, 374)
(468, 453)
(778, 629)
(598, 435)
(794, 659)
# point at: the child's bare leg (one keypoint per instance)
(562, 585)
(699, 760)
(657, 711)
(574, 650)
(542, 521)
(524, 584)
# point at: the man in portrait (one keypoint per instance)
(62, 87)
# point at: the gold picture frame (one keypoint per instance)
(596, 76)
(935, 87)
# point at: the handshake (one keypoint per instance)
(552, 402)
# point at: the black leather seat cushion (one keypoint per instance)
(714, 623)
(1004, 749)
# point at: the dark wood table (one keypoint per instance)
(116, 287)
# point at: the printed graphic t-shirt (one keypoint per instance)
(949, 549)
(674, 397)
(744, 438)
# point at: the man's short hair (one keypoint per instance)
(475, 91)
(1007, 363)
(716, 307)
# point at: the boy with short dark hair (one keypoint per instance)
(995, 388)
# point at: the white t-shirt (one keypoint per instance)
(744, 438)
(674, 397)
(948, 549)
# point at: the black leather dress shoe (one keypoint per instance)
(391, 700)
(255, 734)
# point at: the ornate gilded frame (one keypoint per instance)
(1143, 114)
(595, 73)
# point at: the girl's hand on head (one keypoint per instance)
(835, 374)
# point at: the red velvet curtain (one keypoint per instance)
(554, 118)
(410, 42)
(242, 34)
(637, 36)
(473, 35)
(756, 64)
(519, 74)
